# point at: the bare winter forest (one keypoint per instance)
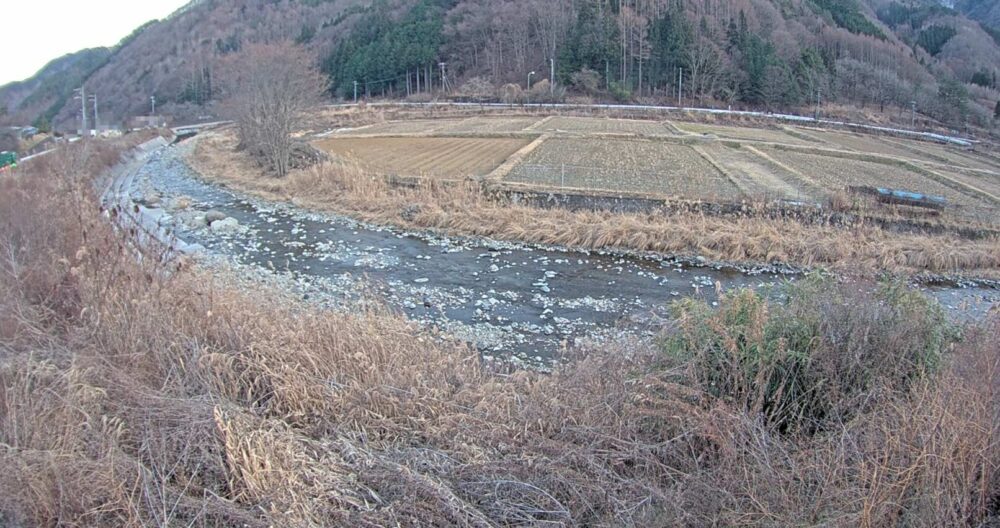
(878, 58)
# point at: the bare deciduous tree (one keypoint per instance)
(270, 88)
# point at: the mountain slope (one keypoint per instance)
(173, 59)
(874, 55)
(985, 11)
(40, 97)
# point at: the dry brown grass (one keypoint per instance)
(136, 393)
(466, 209)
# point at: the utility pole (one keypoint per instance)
(83, 110)
(444, 79)
(913, 114)
(528, 92)
(680, 88)
(552, 76)
(97, 121)
(819, 96)
(152, 101)
(355, 92)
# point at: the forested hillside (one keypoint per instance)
(985, 11)
(875, 55)
(39, 98)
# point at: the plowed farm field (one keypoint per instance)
(626, 166)
(433, 157)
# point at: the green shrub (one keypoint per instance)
(619, 92)
(811, 354)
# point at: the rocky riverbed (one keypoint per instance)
(514, 302)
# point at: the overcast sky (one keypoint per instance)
(37, 31)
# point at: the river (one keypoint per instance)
(514, 302)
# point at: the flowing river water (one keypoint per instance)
(514, 302)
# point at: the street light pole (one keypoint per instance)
(152, 101)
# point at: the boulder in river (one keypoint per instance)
(214, 216)
(226, 226)
(180, 203)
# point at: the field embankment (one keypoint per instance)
(135, 392)
(465, 208)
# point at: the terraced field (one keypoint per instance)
(604, 126)
(986, 182)
(576, 153)
(624, 165)
(950, 155)
(440, 158)
(749, 134)
(757, 176)
(412, 126)
(867, 144)
(487, 125)
(834, 174)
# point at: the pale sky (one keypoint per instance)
(37, 31)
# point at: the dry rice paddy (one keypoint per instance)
(834, 174)
(943, 154)
(442, 158)
(576, 153)
(412, 126)
(759, 177)
(488, 125)
(604, 126)
(867, 144)
(741, 133)
(624, 165)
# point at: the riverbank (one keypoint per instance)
(465, 209)
(138, 391)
